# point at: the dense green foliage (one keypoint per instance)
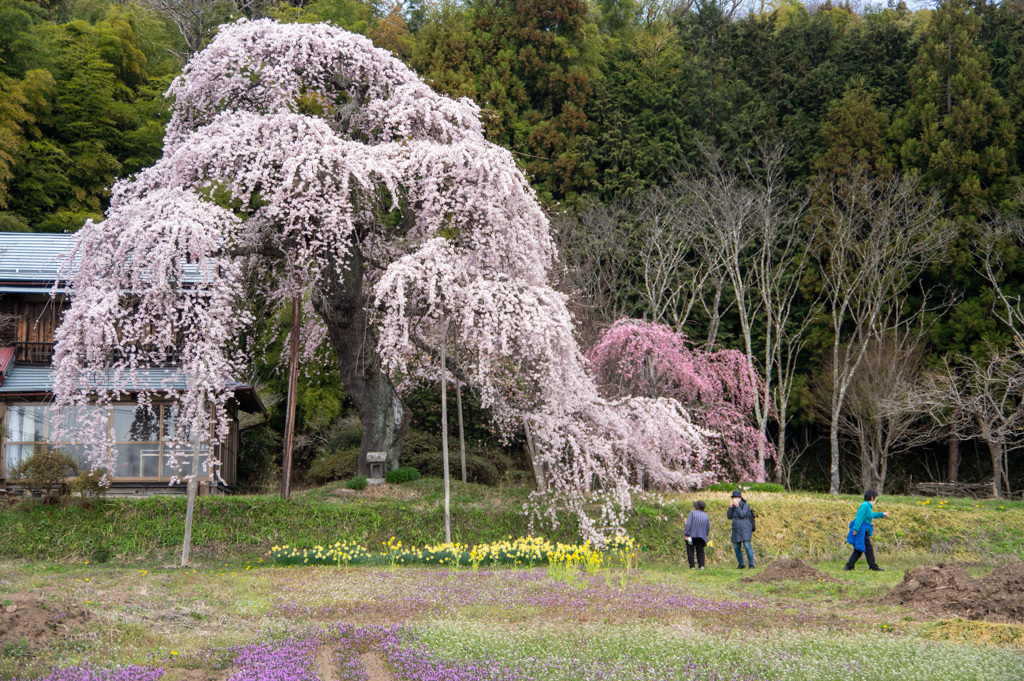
(80, 106)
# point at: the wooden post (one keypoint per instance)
(193, 485)
(293, 387)
(444, 434)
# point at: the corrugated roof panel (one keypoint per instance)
(29, 257)
(40, 380)
(37, 259)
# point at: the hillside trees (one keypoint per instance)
(79, 111)
(956, 127)
(527, 63)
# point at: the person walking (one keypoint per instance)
(742, 528)
(861, 529)
(696, 531)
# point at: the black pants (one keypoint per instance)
(695, 546)
(868, 551)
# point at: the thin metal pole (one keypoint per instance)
(458, 400)
(444, 434)
(293, 387)
(462, 433)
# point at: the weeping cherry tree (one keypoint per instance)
(322, 164)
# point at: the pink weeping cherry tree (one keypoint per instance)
(304, 162)
(719, 388)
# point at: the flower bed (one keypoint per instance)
(524, 551)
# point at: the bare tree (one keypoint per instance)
(982, 400)
(751, 231)
(196, 20)
(885, 412)
(595, 257)
(872, 237)
(780, 263)
(645, 249)
(998, 237)
(668, 254)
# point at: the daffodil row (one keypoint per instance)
(522, 551)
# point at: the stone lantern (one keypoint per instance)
(378, 463)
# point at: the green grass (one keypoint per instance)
(811, 526)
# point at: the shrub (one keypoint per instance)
(746, 486)
(403, 474)
(484, 465)
(334, 465)
(357, 483)
(88, 484)
(45, 470)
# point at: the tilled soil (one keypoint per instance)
(949, 590)
(789, 569)
(35, 623)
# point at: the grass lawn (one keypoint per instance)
(233, 616)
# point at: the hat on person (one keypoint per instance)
(737, 493)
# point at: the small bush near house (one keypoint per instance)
(357, 483)
(45, 471)
(403, 474)
(88, 484)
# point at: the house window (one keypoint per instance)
(142, 437)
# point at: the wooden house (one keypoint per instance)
(32, 300)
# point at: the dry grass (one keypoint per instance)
(974, 632)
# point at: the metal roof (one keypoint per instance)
(36, 380)
(32, 257)
(31, 262)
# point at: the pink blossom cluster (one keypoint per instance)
(719, 388)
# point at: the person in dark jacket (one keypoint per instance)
(861, 529)
(698, 527)
(742, 528)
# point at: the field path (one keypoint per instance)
(374, 665)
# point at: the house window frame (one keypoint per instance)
(161, 407)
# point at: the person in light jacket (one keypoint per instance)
(742, 528)
(696, 531)
(861, 529)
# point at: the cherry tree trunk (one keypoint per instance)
(384, 416)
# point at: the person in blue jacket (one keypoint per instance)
(861, 529)
(742, 528)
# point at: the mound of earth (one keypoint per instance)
(789, 569)
(36, 622)
(949, 590)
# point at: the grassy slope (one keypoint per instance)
(806, 525)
